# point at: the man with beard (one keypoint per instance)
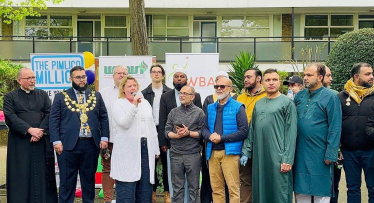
(253, 92)
(153, 95)
(169, 101)
(327, 81)
(272, 140)
(357, 144)
(225, 129)
(30, 167)
(79, 127)
(110, 94)
(318, 135)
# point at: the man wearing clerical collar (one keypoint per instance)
(79, 128)
(30, 154)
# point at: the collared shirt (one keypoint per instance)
(80, 132)
(110, 94)
(156, 103)
(177, 97)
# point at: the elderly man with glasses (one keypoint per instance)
(225, 129)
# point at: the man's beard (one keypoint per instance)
(224, 95)
(364, 84)
(311, 84)
(179, 86)
(250, 87)
(79, 88)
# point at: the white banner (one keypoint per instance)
(200, 68)
(52, 71)
(138, 67)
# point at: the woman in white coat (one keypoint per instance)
(136, 145)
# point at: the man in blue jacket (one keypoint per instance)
(79, 127)
(225, 129)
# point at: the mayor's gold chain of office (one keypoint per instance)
(79, 107)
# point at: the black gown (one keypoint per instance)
(30, 173)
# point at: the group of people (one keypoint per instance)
(260, 146)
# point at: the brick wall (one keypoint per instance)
(286, 26)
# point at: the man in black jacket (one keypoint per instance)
(169, 101)
(358, 150)
(153, 95)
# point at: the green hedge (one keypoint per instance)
(8, 78)
(350, 48)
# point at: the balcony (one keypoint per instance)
(266, 49)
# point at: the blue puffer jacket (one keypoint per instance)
(230, 110)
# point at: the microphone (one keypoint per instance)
(134, 94)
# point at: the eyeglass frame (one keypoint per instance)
(84, 77)
(185, 94)
(29, 79)
(220, 86)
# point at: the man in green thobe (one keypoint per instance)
(318, 134)
(272, 140)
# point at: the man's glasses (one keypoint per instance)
(221, 86)
(185, 93)
(156, 72)
(121, 73)
(29, 78)
(80, 77)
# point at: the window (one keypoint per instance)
(245, 26)
(116, 27)
(170, 26)
(52, 27)
(365, 21)
(319, 26)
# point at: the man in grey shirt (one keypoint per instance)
(183, 129)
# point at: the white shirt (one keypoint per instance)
(110, 94)
(127, 128)
(156, 103)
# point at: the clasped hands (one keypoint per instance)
(215, 138)
(182, 132)
(36, 134)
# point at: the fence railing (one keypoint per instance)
(266, 49)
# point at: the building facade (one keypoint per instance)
(267, 28)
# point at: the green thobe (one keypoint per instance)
(318, 136)
(272, 136)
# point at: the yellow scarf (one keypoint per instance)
(358, 93)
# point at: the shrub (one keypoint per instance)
(8, 78)
(350, 48)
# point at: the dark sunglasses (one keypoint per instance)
(221, 86)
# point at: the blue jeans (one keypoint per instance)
(354, 162)
(141, 190)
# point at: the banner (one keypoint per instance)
(138, 67)
(52, 71)
(200, 68)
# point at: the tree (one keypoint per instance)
(8, 78)
(139, 38)
(243, 62)
(17, 11)
(350, 48)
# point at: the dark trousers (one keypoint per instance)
(141, 190)
(337, 176)
(83, 159)
(182, 166)
(165, 182)
(354, 162)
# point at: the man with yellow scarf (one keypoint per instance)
(358, 150)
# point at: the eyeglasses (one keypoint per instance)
(29, 78)
(221, 86)
(156, 72)
(184, 93)
(80, 77)
(121, 73)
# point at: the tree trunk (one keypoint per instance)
(138, 27)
